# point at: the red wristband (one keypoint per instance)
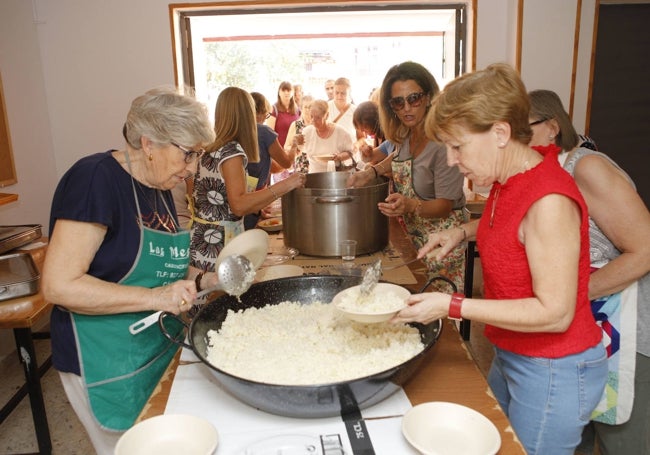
(455, 305)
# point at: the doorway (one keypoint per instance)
(257, 48)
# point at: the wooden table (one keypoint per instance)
(25, 313)
(448, 372)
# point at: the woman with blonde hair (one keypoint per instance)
(220, 193)
(550, 367)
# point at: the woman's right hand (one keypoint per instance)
(366, 152)
(295, 180)
(360, 179)
(175, 297)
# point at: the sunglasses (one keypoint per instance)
(190, 155)
(414, 100)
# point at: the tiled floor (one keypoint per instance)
(17, 432)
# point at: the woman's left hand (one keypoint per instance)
(396, 205)
(424, 308)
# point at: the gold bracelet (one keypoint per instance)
(275, 195)
(418, 206)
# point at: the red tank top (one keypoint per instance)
(506, 271)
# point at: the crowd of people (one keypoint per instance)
(561, 239)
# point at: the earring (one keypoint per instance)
(150, 157)
(551, 138)
(502, 144)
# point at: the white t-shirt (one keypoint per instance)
(346, 119)
(338, 141)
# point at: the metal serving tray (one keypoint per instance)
(19, 276)
(14, 236)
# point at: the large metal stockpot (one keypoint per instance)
(313, 401)
(317, 217)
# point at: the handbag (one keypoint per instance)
(616, 315)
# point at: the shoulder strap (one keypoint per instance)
(338, 117)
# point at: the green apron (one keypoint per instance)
(419, 228)
(121, 370)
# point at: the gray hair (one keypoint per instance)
(166, 115)
(547, 105)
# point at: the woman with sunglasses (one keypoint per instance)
(221, 194)
(116, 254)
(428, 193)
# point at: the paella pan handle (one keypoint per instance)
(163, 329)
(333, 199)
(439, 277)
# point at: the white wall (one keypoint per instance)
(27, 116)
(496, 32)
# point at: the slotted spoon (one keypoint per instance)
(236, 274)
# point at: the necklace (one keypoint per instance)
(154, 220)
(494, 205)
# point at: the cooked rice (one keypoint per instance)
(374, 303)
(294, 344)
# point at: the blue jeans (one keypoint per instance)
(549, 401)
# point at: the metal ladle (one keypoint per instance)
(236, 274)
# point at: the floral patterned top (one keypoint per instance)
(213, 223)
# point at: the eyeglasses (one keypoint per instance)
(414, 100)
(537, 122)
(190, 155)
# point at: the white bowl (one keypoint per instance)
(441, 428)
(369, 316)
(252, 244)
(169, 434)
(278, 271)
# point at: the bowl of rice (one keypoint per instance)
(383, 302)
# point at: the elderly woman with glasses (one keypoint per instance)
(428, 193)
(116, 254)
(221, 194)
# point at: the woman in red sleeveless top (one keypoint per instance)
(549, 368)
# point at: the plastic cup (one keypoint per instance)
(348, 250)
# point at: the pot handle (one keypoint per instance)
(439, 277)
(161, 324)
(333, 199)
